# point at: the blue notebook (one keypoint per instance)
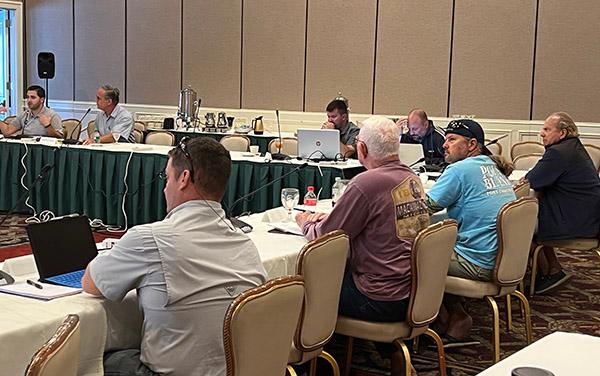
(62, 249)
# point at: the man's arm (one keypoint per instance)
(546, 171)
(88, 284)
(7, 129)
(432, 206)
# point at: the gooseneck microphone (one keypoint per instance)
(39, 178)
(245, 227)
(279, 155)
(75, 140)
(495, 141)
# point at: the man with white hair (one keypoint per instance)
(381, 210)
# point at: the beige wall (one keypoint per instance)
(512, 59)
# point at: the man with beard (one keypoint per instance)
(37, 120)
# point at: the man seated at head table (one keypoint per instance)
(113, 122)
(381, 210)
(186, 269)
(337, 118)
(37, 120)
(473, 188)
(418, 129)
(568, 189)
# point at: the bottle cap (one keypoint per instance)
(310, 188)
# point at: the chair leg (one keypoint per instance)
(440, 349)
(508, 314)
(526, 316)
(534, 267)
(291, 371)
(312, 370)
(348, 361)
(402, 346)
(496, 315)
(331, 360)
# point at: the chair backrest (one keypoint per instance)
(289, 146)
(139, 125)
(526, 161)
(8, 119)
(60, 354)
(495, 148)
(430, 258)
(522, 189)
(68, 128)
(91, 128)
(139, 136)
(321, 262)
(594, 153)
(259, 327)
(160, 138)
(526, 147)
(236, 143)
(515, 225)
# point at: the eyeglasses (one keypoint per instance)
(183, 147)
(456, 124)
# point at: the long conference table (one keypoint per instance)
(91, 179)
(25, 324)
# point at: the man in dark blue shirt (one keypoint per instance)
(418, 129)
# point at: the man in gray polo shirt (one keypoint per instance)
(113, 122)
(186, 269)
(37, 120)
(337, 118)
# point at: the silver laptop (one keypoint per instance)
(319, 144)
(409, 154)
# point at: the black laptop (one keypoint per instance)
(62, 248)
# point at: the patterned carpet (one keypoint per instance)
(572, 308)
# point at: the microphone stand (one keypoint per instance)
(279, 155)
(42, 175)
(245, 227)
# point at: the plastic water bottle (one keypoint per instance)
(310, 198)
(336, 190)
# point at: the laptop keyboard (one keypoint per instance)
(72, 279)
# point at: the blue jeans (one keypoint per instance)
(126, 363)
(354, 303)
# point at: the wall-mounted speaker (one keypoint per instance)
(45, 65)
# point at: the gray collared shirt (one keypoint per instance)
(348, 135)
(29, 124)
(119, 123)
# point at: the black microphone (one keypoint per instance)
(245, 227)
(279, 155)
(40, 177)
(75, 141)
(495, 141)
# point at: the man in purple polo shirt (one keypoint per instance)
(381, 210)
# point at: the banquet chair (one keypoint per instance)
(321, 262)
(526, 161)
(515, 225)
(289, 146)
(160, 138)
(236, 142)
(91, 129)
(594, 153)
(259, 327)
(430, 256)
(526, 147)
(69, 126)
(495, 148)
(60, 354)
(522, 189)
(139, 136)
(139, 125)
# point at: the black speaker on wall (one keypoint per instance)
(46, 65)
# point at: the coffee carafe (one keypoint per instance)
(257, 125)
(187, 111)
(222, 121)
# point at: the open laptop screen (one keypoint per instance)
(319, 143)
(61, 246)
(409, 154)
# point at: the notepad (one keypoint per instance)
(286, 227)
(48, 292)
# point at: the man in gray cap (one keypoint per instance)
(473, 188)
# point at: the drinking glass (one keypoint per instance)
(289, 199)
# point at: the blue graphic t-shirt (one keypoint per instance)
(473, 191)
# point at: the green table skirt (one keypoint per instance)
(91, 182)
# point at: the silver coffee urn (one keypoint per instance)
(189, 104)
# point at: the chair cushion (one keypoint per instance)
(470, 288)
(577, 244)
(374, 331)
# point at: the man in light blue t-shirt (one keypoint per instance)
(473, 189)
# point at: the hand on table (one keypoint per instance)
(307, 216)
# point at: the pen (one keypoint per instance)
(34, 283)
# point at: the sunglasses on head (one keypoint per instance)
(184, 150)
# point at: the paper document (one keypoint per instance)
(287, 227)
(47, 292)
